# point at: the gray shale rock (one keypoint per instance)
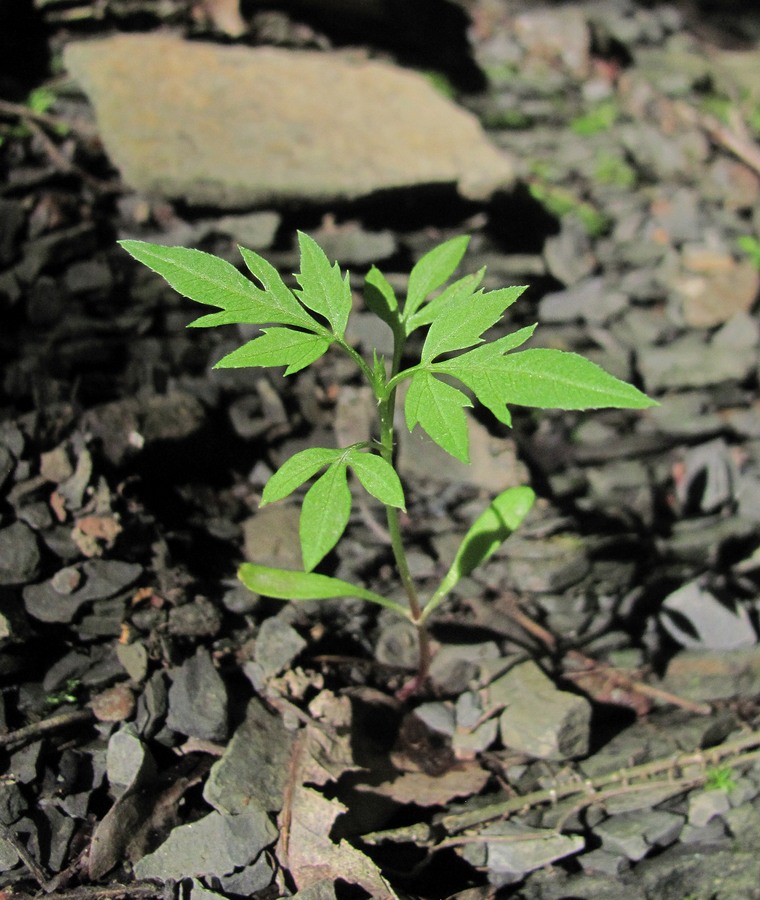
(254, 766)
(19, 555)
(235, 126)
(198, 699)
(539, 719)
(214, 845)
(61, 598)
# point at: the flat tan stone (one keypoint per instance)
(236, 126)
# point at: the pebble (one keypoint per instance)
(671, 367)
(277, 645)
(592, 300)
(198, 700)
(128, 760)
(216, 844)
(199, 618)
(705, 805)
(508, 861)
(255, 231)
(540, 720)
(101, 579)
(634, 834)
(697, 618)
(254, 766)
(20, 560)
(271, 536)
(549, 565)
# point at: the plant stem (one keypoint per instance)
(386, 409)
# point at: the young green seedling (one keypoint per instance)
(299, 326)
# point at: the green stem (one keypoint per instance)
(386, 397)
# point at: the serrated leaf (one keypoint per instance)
(432, 270)
(208, 280)
(503, 515)
(285, 307)
(481, 371)
(464, 321)
(465, 286)
(380, 297)
(377, 477)
(324, 515)
(277, 347)
(439, 409)
(296, 471)
(558, 379)
(284, 584)
(323, 289)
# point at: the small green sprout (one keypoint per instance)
(614, 170)
(751, 246)
(455, 364)
(720, 778)
(598, 119)
(67, 694)
(559, 201)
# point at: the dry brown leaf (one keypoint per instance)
(321, 754)
(311, 856)
(466, 780)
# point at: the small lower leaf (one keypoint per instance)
(487, 533)
(285, 584)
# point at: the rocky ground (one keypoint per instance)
(592, 723)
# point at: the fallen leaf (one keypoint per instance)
(466, 780)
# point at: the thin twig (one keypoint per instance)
(35, 869)
(45, 726)
(736, 141)
(734, 753)
(615, 676)
(19, 111)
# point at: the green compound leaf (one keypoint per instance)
(432, 270)
(557, 379)
(481, 371)
(283, 303)
(277, 347)
(380, 297)
(464, 320)
(324, 514)
(377, 477)
(439, 409)
(296, 471)
(494, 525)
(462, 287)
(284, 584)
(323, 289)
(209, 280)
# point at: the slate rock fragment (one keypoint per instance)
(101, 580)
(696, 618)
(507, 861)
(539, 719)
(217, 844)
(299, 116)
(19, 555)
(254, 766)
(198, 699)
